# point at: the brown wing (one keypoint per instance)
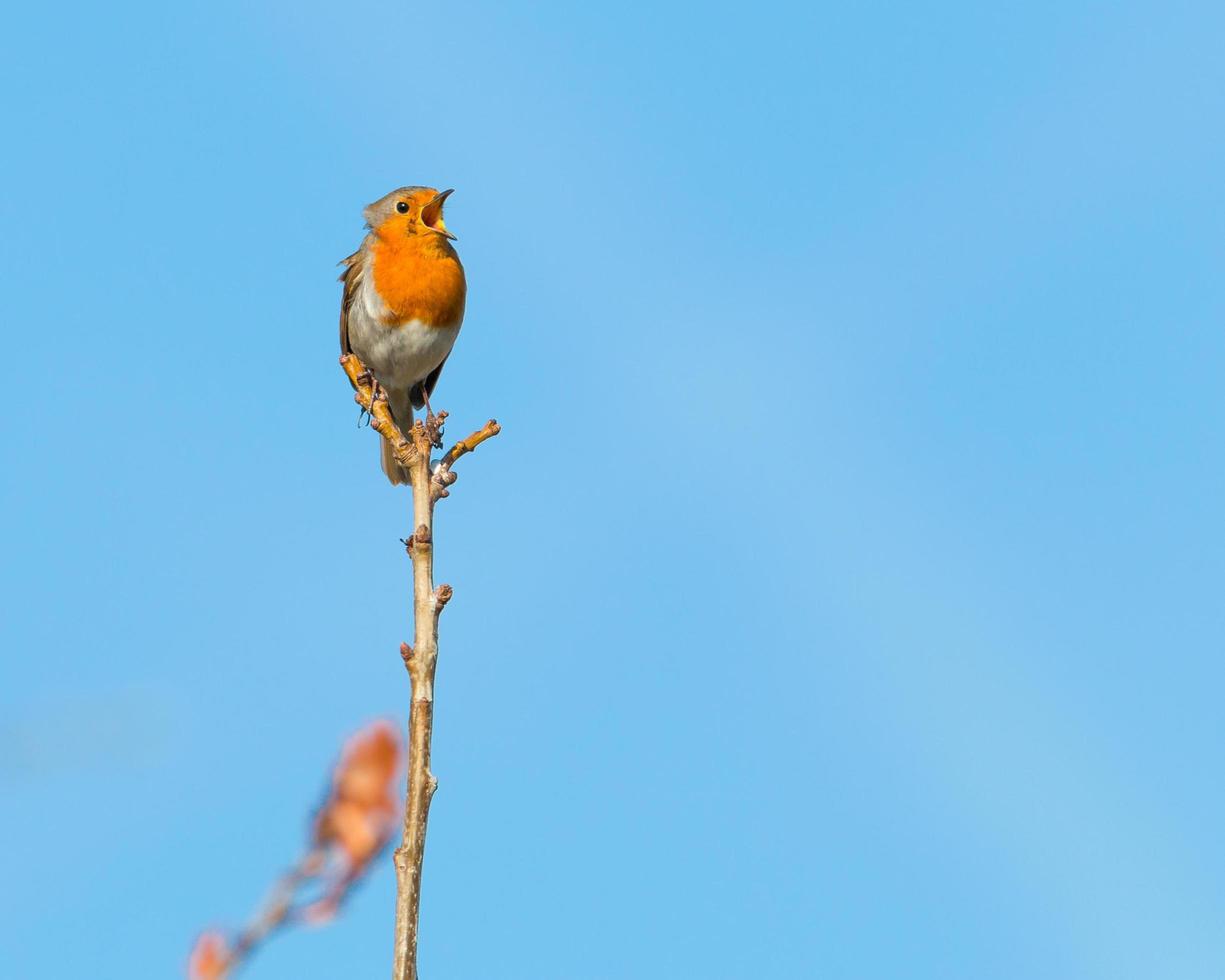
(355, 268)
(431, 379)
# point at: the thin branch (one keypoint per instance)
(412, 450)
(375, 403)
(443, 477)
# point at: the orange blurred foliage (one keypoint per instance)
(360, 813)
(354, 824)
(210, 959)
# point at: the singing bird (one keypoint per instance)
(403, 302)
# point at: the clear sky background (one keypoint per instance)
(844, 596)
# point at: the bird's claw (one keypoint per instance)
(366, 412)
(433, 426)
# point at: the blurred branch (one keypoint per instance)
(352, 827)
(412, 450)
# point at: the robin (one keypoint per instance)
(403, 303)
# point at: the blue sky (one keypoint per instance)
(843, 596)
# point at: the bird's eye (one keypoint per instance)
(401, 207)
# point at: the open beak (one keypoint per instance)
(431, 214)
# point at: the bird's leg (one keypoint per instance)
(433, 423)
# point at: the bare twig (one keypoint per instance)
(412, 450)
(380, 413)
(443, 477)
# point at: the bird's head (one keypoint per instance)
(409, 211)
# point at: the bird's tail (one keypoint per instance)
(402, 411)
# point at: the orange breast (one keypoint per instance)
(419, 279)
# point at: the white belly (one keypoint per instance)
(400, 356)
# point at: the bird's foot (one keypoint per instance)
(366, 412)
(433, 426)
